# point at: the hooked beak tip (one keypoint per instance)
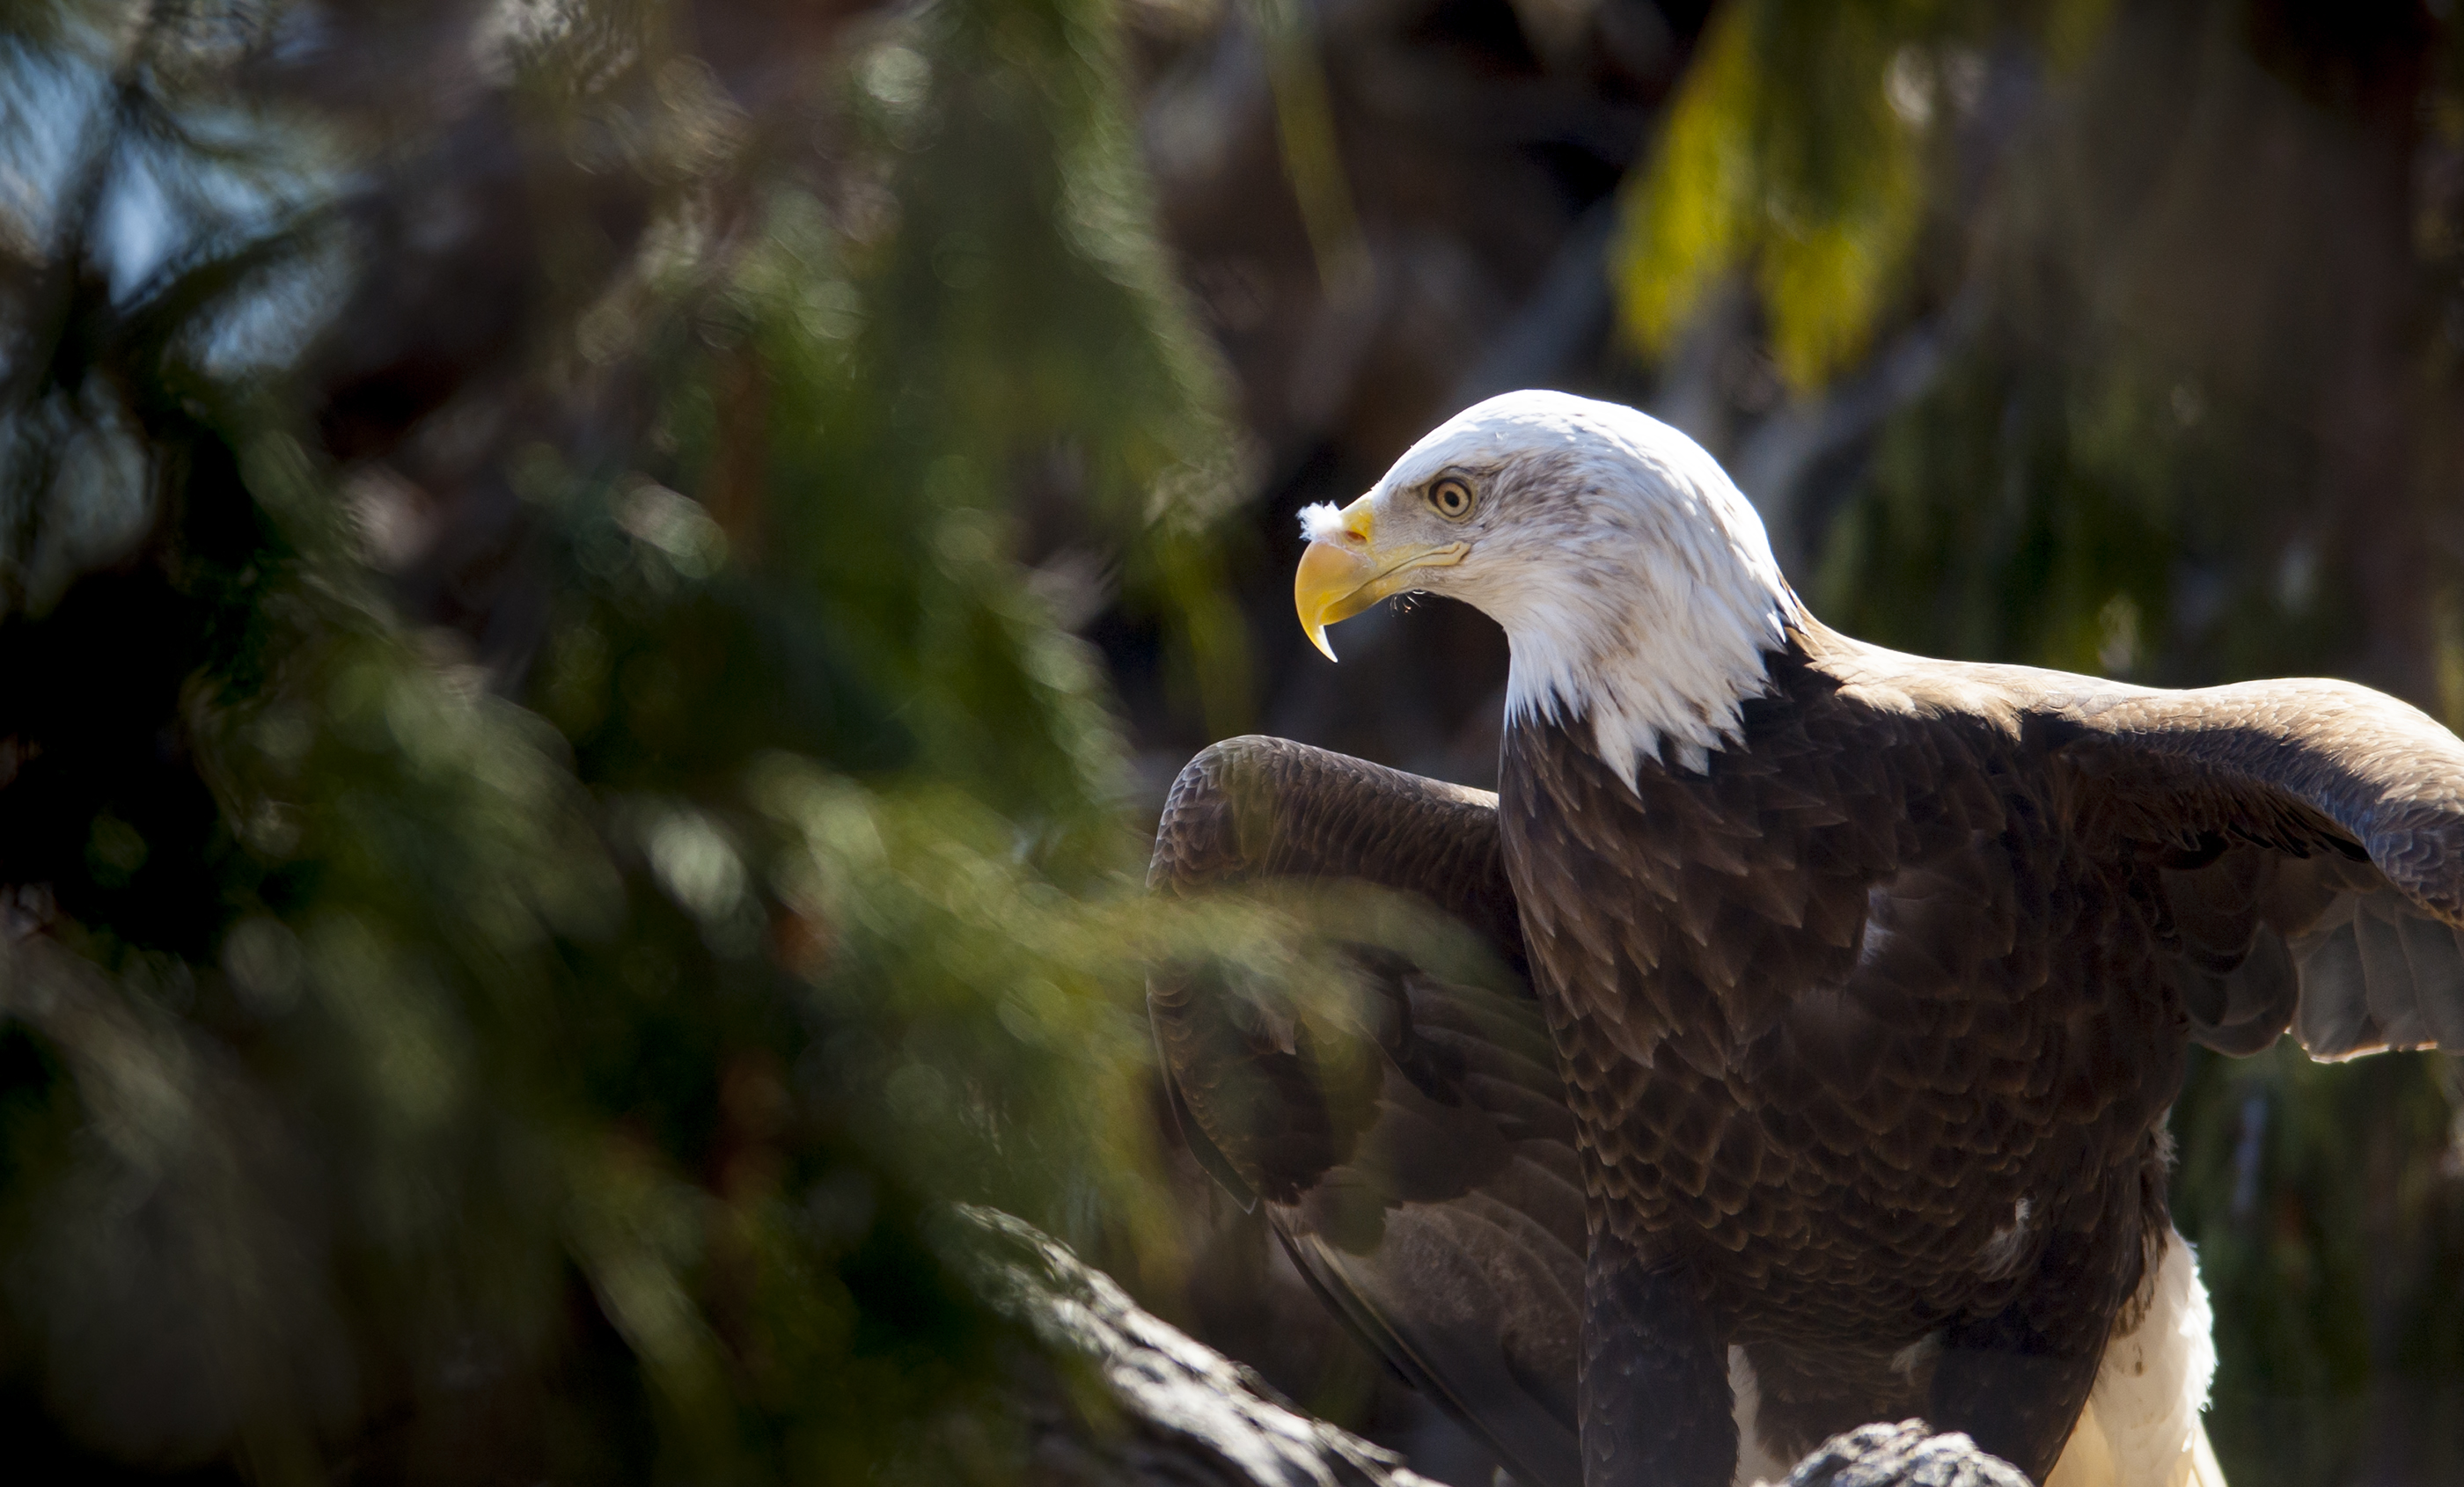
(1328, 586)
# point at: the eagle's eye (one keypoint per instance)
(1452, 498)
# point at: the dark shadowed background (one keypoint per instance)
(596, 596)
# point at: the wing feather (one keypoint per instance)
(2315, 816)
(2437, 953)
(2387, 975)
(2335, 1012)
(1419, 1169)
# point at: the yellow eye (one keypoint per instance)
(1452, 498)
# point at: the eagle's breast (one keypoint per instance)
(1849, 1020)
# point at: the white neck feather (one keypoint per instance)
(1657, 647)
(1674, 695)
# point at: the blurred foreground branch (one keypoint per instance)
(1187, 1414)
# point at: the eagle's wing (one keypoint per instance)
(2310, 842)
(1419, 1164)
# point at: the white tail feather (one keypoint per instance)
(2141, 1427)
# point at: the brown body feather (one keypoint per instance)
(1832, 1009)
(1866, 1032)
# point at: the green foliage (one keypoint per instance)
(1800, 150)
(556, 1071)
(2331, 1259)
(1006, 333)
(2045, 512)
(2160, 455)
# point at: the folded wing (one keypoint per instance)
(1414, 1152)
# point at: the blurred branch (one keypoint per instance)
(1190, 1414)
(1557, 322)
(1305, 122)
(1193, 1416)
(1780, 464)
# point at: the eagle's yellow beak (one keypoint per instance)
(1344, 571)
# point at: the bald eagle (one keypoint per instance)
(1810, 1062)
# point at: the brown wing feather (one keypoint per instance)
(1418, 1165)
(2311, 842)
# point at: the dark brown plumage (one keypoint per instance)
(1429, 1190)
(1867, 1006)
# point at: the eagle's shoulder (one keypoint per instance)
(1961, 697)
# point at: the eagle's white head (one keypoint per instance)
(1634, 583)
